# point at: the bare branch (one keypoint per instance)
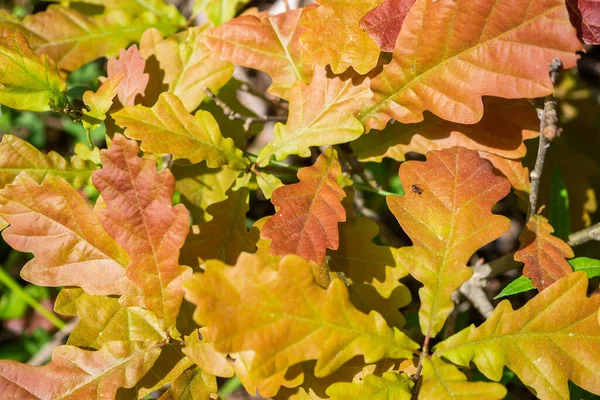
(584, 235)
(548, 131)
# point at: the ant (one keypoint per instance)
(417, 189)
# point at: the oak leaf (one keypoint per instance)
(451, 53)
(347, 45)
(192, 384)
(306, 222)
(204, 355)
(19, 157)
(28, 81)
(139, 215)
(384, 22)
(444, 381)
(71, 248)
(322, 113)
(553, 338)
(585, 16)
(100, 102)
(544, 255)
(168, 127)
(282, 315)
(102, 319)
(266, 43)
(372, 271)
(74, 373)
(131, 65)
(225, 236)
(390, 386)
(167, 14)
(513, 170)
(447, 222)
(74, 39)
(501, 131)
(189, 65)
(201, 186)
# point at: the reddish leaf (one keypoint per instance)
(543, 254)
(448, 221)
(266, 43)
(139, 215)
(450, 53)
(513, 170)
(74, 373)
(585, 16)
(306, 222)
(71, 248)
(131, 64)
(384, 22)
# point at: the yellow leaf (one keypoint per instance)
(444, 381)
(390, 386)
(28, 81)
(285, 318)
(334, 37)
(168, 127)
(321, 114)
(189, 65)
(553, 338)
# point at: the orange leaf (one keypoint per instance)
(504, 126)
(322, 113)
(266, 43)
(448, 221)
(450, 53)
(544, 255)
(306, 223)
(285, 318)
(131, 64)
(513, 170)
(140, 217)
(74, 373)
(71, 248)
(333, 36)
(384, 22)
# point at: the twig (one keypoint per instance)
(356, 168)
(59, 337)
(584, 235)
(234, 115)
(473, 290)
(548, 131)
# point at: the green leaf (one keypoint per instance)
(519, 285)
(218, 11)
(589, 265)
(28, 81)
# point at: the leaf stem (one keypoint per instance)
(359, 185)
(10, 283)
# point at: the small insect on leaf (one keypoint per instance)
(416, 189)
